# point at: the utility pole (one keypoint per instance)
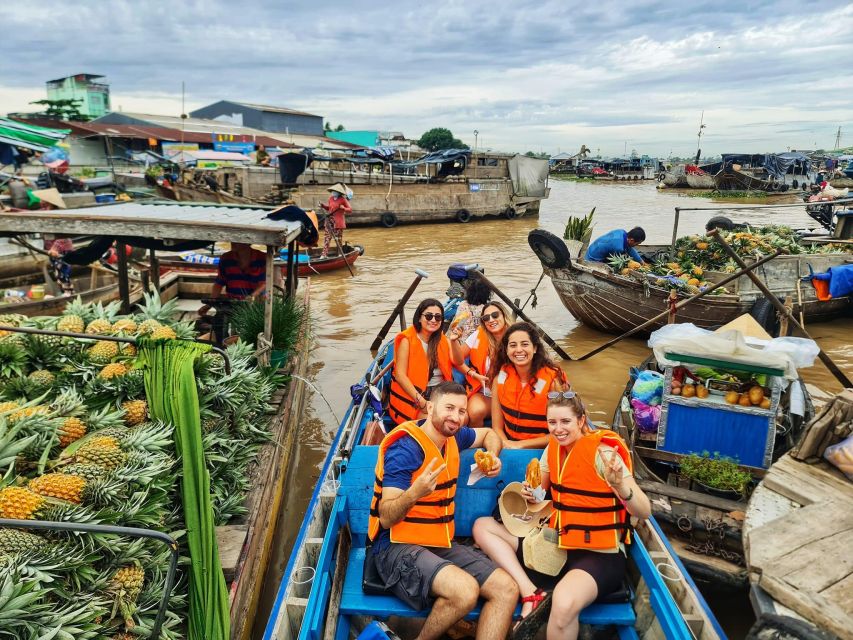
(838, 138)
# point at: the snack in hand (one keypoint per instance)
(484, 460)
(534, 474)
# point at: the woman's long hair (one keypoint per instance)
(494, 345)
(477, 293)
(435, 338)
(540, 358)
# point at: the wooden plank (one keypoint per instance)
(841, 593)
(816, 566)
(342, 556)
(679, 493)
(230, 539)
(667, 456)
(814, 608)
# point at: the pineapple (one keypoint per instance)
(99, 326)
(71, 324)
(63, 486)
(13, 359)
(619, 263)
(124, 325)
(17, 503)
(102, 352)
(113, 370)
(26, 412)
(17, 541)
(102, 451)
(633, 264)
(136, 412)
(152, 309)
(126, 585)
(86, 471)
(12, 319)
(128, 350)
(148, 326)
(698, 271)
(163, 333)
(693, 282)
(71, 430)
(119, 433)
(42, 378)
(8, 406)
(702, 246)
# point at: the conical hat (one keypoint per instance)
(748, 326)
(51, 196)
(340, 187)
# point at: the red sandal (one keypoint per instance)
(528, 626)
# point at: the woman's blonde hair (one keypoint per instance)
(494, 345)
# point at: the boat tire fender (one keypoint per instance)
(662, 176)
(510, 213)
(463, 215)
(772, 626)
(764, 314)
(550, 249)
(388, 220)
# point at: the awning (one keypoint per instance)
(30, 136)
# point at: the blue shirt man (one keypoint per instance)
(616, 242)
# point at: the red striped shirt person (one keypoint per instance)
(242, 275)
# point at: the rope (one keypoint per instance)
(533, 293)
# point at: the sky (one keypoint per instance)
(545, 76)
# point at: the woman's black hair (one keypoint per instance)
(477, 292)
(435, 338)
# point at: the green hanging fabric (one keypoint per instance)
(173, 397)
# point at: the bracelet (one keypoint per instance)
(628, 498)
(468, 371)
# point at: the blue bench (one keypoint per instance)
(471, 503)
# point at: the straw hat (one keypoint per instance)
(51, 196)
(519, 516)
(340, 187)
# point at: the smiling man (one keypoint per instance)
(411, 525)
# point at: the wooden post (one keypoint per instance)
(401, 303)
(674, 233)
(783, 319)
(292, 269)
(123, 284)
(672, 301)
(154, 266)
(268, 293)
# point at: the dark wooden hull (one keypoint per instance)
(187, 193)
(733, 180)
(315, 266)
(55, 305)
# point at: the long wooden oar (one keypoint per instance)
(679, 305)
(520, 313)
(781, 308)
(398, 309)
(341, 249)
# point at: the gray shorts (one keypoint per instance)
(409, 569)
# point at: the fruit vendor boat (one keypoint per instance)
(321, 594)
(617, 300)
(248, 424)
(697, 455)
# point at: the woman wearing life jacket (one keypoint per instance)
(481, 348)
(589, 474)
(521, 375)
(421, 362)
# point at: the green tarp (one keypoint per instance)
(173, 397)
(30, 136)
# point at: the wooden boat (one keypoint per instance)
(189, 192)
(800, 579)
(321, 594)
(705, 526)
(731, 179)
(611, 302)
(310, 262)
(700, 181)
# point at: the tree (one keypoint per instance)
(65, 109)
(440, 138)
(328, 127)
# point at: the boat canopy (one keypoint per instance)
(529, 176)
(776, 164)
(29, 136)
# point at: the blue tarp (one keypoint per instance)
(776, 164)
(840, 280)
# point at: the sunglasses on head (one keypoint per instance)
(429, 317)
(568, 395)
(494, 315)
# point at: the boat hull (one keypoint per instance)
(700, 181)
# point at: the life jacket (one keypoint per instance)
(524, 407)
(587, 514)
(429, 522)
(401, 407)
(477, 356)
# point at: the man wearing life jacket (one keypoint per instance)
(411, 526)
(589, 474)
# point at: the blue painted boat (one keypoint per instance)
(320, 595)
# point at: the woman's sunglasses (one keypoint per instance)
(494, 315)
(568, 395)
(429, 317)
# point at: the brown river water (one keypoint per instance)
(347, 312)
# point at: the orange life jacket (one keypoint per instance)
(402, 407)
(523, 407)
(429, 522)
(477, 356)
(587, 514)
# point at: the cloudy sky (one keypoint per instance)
(543, 76)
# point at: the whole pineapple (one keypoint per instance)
(135, 412)
(42, 378)
(71, 324)
(113, 370)
(103, 451)
(102, 352)
(163, 333)
(87, 471)
(8, 406)
(147, 327)
(124, 325)
(18, 503)
(71, 430)
(99, 327)
(12, 319)
(126, 585)
(128, 350)
(17, 541)
(26, 412)
(59, 485)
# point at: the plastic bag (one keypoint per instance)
(648, 387)
(841, 455)
(802, 351)
(646, 416)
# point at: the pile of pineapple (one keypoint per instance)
(696, 255)
(77, 445)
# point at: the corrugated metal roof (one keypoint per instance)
(271, 109)
(164, 220)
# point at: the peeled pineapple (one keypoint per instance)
(102, 352)
(17, 503)
(63, 486)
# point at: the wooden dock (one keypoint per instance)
(797, 536)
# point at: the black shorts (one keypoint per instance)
(409, 569)
(607, 569)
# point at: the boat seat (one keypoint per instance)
(472, 502)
